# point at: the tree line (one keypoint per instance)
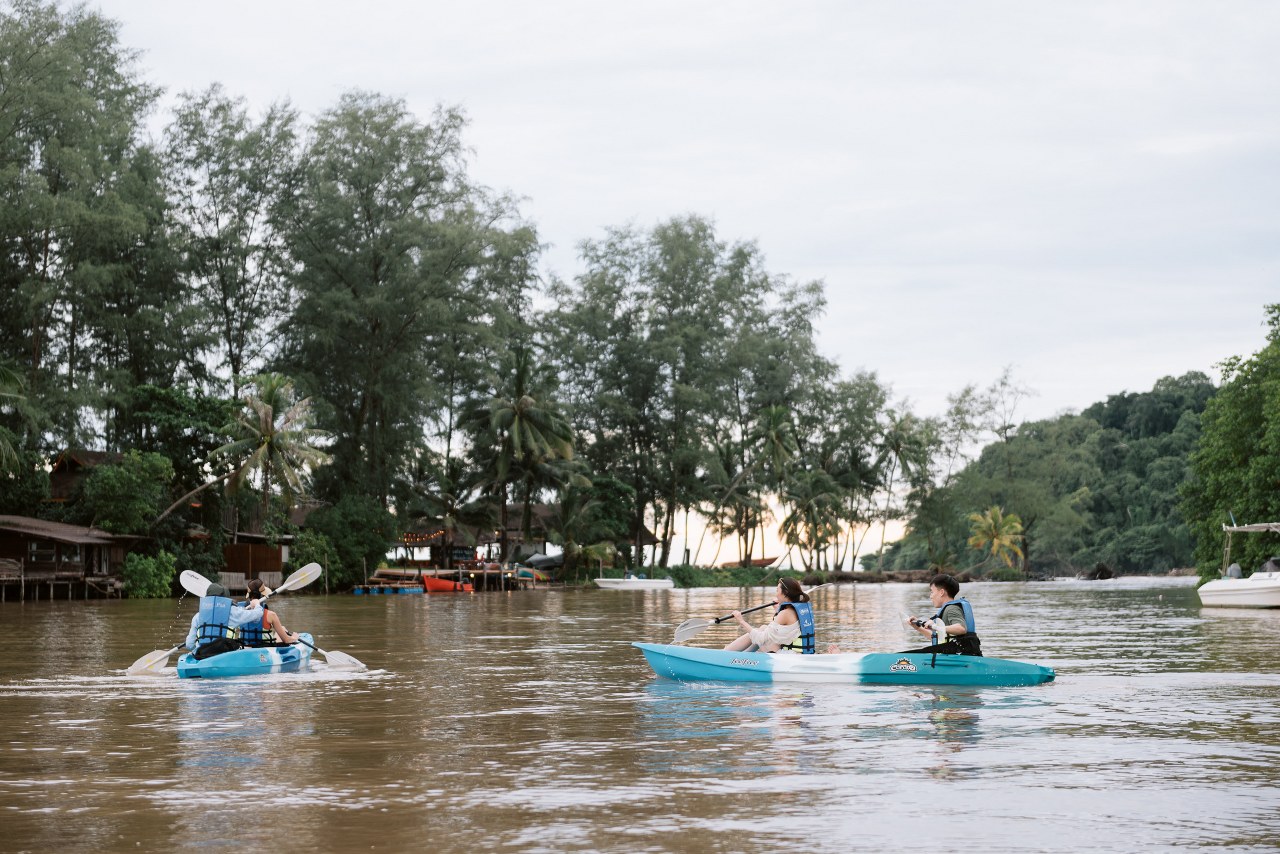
(263, 311)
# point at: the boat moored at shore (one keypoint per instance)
(1233, 590)
(633, 582)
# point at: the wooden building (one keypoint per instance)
(41, 559)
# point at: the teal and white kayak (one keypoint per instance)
(687, 663)
(250, 661)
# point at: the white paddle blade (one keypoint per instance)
(342, 661)
(193, 582)
(301, 578)
(691, 628)
(151, 664)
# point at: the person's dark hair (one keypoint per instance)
(947, 583)
(791, 589)
(255, 589)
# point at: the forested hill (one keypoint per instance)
(1098, 487)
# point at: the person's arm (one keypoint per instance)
(241, 616)
(282, 634)
(191, 635)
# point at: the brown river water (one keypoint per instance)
(525, 721)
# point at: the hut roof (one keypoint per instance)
(58, 531)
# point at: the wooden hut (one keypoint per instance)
(41, 559)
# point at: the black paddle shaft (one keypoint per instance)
(719, 620)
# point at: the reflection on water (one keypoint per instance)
(524, 720)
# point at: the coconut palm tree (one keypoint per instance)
(272, 439)
(519, 435)
(997, 532)
(445, 497)
(10, 393)
(904, 449)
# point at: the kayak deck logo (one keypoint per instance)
(749, 661)
(902, 665)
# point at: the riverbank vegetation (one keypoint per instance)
(270, 314)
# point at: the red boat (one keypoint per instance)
(443, 585)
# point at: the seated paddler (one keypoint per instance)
(267, 631)
(219, 619)
(951, 630)
(791, 627)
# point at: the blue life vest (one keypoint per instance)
(214, 619)
(804, 613)
(966, 608)
(256, 634)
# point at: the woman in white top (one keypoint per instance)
(784, 628)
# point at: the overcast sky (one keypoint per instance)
(1086, 192)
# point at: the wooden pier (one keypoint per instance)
(481, 577)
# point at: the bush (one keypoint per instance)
(1005, 573)
(149, 577)
(360, 532)
(685, 575)
(312, 547)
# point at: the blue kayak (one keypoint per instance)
(689, 663)
(250, 661)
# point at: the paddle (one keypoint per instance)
(696, 626)
(193, 582)
(337, 660)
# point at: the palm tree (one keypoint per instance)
(998, 532)
(904, 449)
(814, 521)
(444, 497)
(10, 392)
(519, 437)
(272, 439)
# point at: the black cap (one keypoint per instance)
(216, 590)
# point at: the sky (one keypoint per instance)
(1085, 193)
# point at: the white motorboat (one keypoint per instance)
(1259, 590)
(634, 582)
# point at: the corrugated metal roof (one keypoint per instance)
(57, 531)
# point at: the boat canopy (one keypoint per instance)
(1261, 527)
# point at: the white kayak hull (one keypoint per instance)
(1260, 590)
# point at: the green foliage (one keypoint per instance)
(203, 556)
(397, 258)
(691, 374)
(1236, 466)
(272, 440)
(360, 531)
(998, 533)
(25, 486)
(686, 575)
(80, 206)
(149, 577)
(127, 497)
(1090, 488)
(183, 424)
(311, 546)
(1005, 573)
(230, 178)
